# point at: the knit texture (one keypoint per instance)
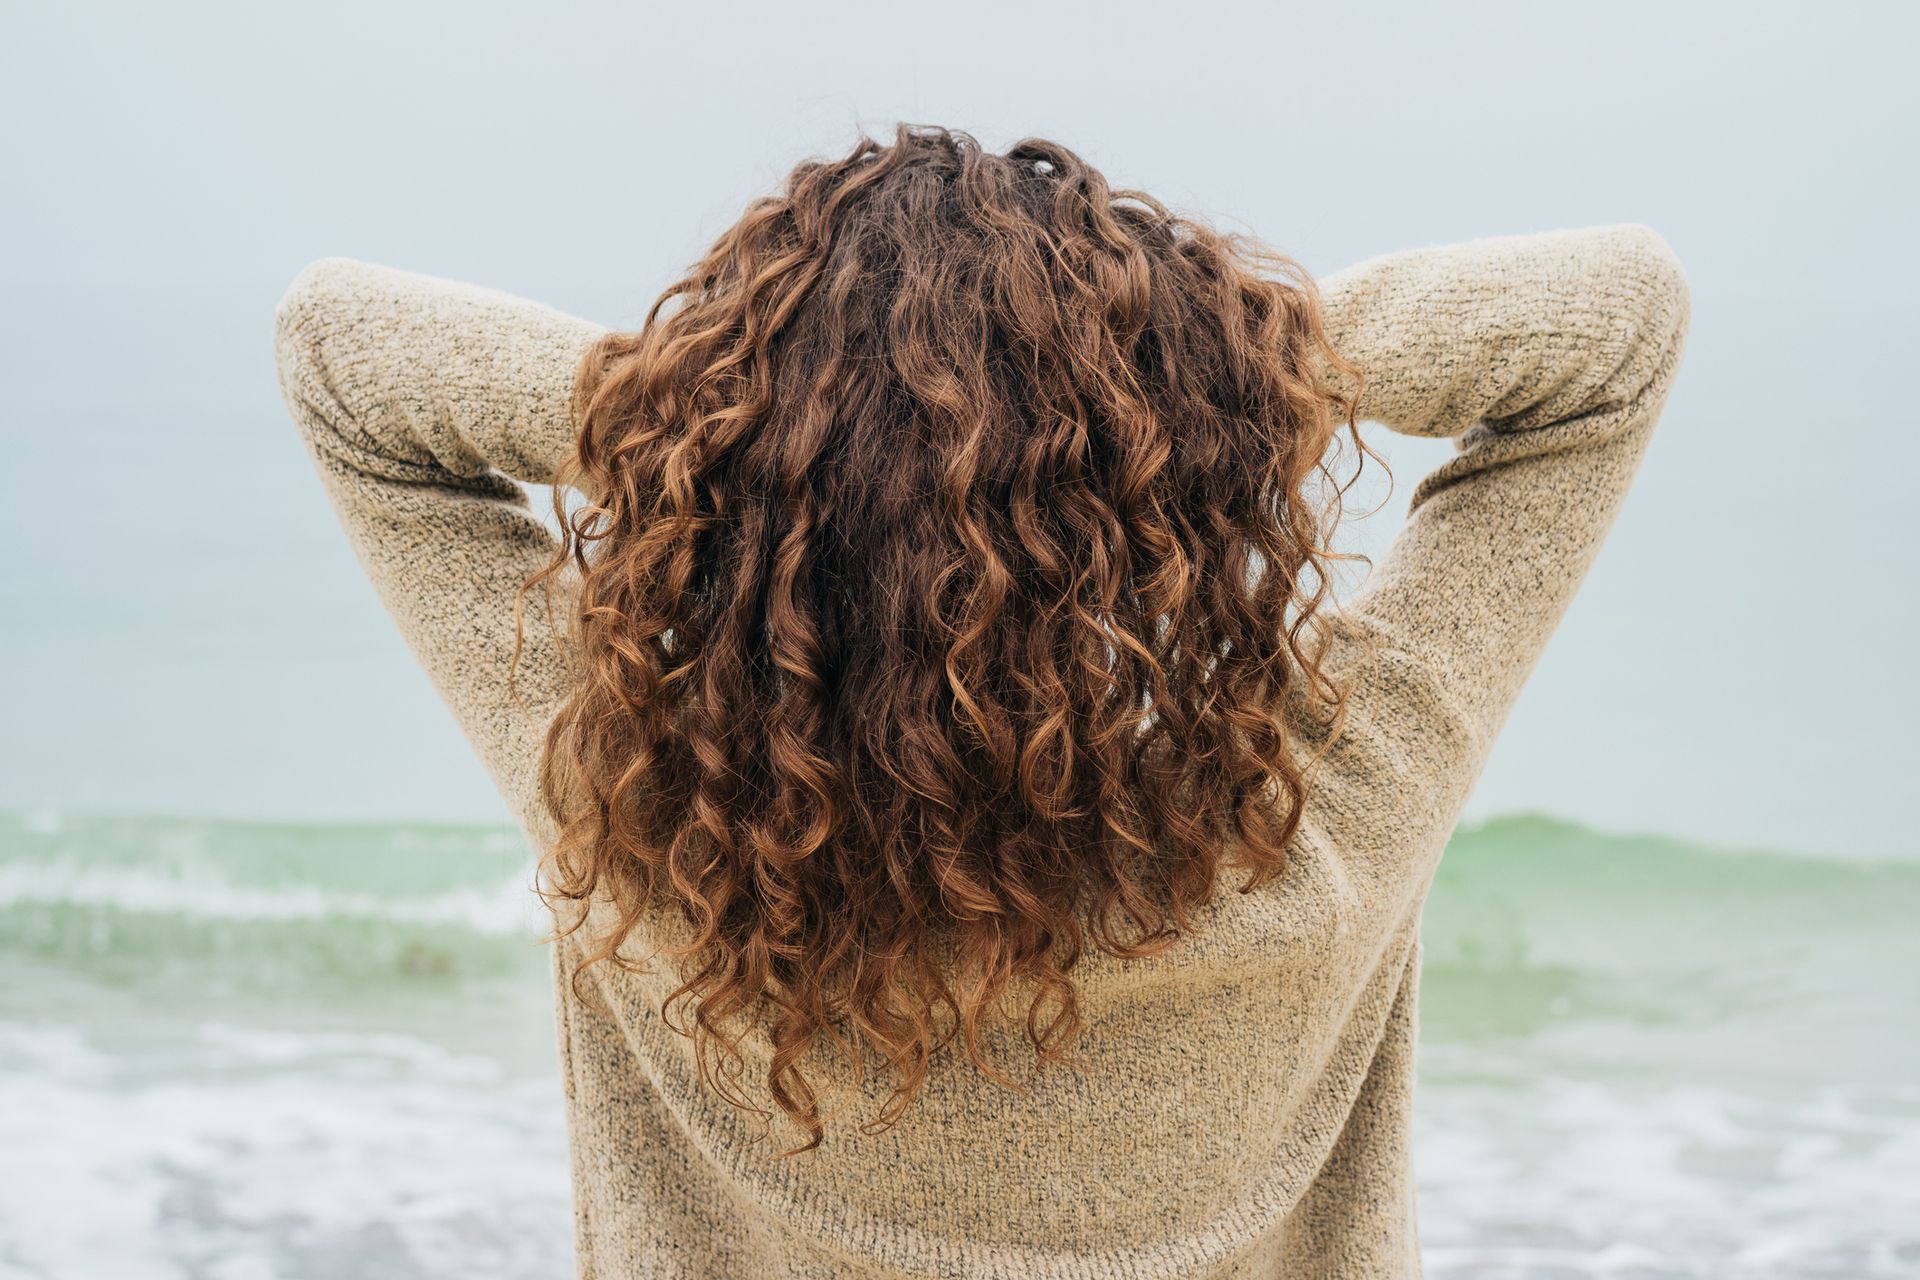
(1243, 1103)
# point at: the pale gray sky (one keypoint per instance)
(182, 626)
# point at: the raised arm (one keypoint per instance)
(1548, 358)
(421, 401)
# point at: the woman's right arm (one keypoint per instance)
(1548, 359)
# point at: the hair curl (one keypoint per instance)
(948, 552)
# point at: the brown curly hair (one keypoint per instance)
(950, 552)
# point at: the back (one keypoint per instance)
(1240, 1103)
(1244, 1101)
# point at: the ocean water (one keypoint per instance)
(236, 1051)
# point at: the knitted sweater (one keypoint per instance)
(1243, 1108)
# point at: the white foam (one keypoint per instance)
(437, 1167)
(506, 907)
(1581, 1178)
(266, 1153)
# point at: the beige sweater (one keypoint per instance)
(1245, 1106)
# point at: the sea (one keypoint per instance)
(242, 1051)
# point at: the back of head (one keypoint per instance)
(950, 551)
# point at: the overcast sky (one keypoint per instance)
(183, 628)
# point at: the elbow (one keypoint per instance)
(1665, 296)
(310, 305)
(1646, 311)
(316, 306)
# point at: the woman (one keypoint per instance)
(978, 847)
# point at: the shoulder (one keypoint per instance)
(1407, 751)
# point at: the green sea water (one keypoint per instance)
(239, 1049)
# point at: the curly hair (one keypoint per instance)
(949, 552)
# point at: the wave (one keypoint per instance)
(1532, 920)
(1638, 1055)
(265, 908)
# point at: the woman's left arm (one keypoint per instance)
(421, 402)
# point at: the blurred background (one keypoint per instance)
(274, 1003)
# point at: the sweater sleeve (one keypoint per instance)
(421, 402)
(1547, 358)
